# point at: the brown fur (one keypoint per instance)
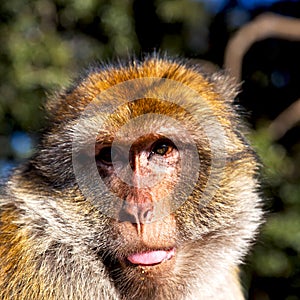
(54, 244)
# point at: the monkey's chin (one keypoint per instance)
(151, 258)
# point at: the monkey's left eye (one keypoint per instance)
(163, 147)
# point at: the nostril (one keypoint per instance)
(129, 213)
(125, 216)
(146, 216)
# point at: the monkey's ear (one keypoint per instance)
(68, 103)
(225, 85)
(58, 108)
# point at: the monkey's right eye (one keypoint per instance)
(104, 156)
(107, 155)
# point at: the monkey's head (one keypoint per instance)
(146, 169)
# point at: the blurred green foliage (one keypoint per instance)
(277, 254)
(44, 42)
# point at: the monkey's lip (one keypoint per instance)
(151, 257)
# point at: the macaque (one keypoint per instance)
(143, 186)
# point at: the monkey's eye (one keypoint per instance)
(163, 148)
(107, 155)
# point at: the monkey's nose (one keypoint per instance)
(137, 213)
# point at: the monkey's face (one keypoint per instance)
(151, 157)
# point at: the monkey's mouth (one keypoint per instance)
(150, 258)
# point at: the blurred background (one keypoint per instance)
(44, 43)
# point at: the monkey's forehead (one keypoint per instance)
(217, 89)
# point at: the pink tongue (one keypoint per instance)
(151, 257)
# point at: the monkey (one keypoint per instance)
(143, 186)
